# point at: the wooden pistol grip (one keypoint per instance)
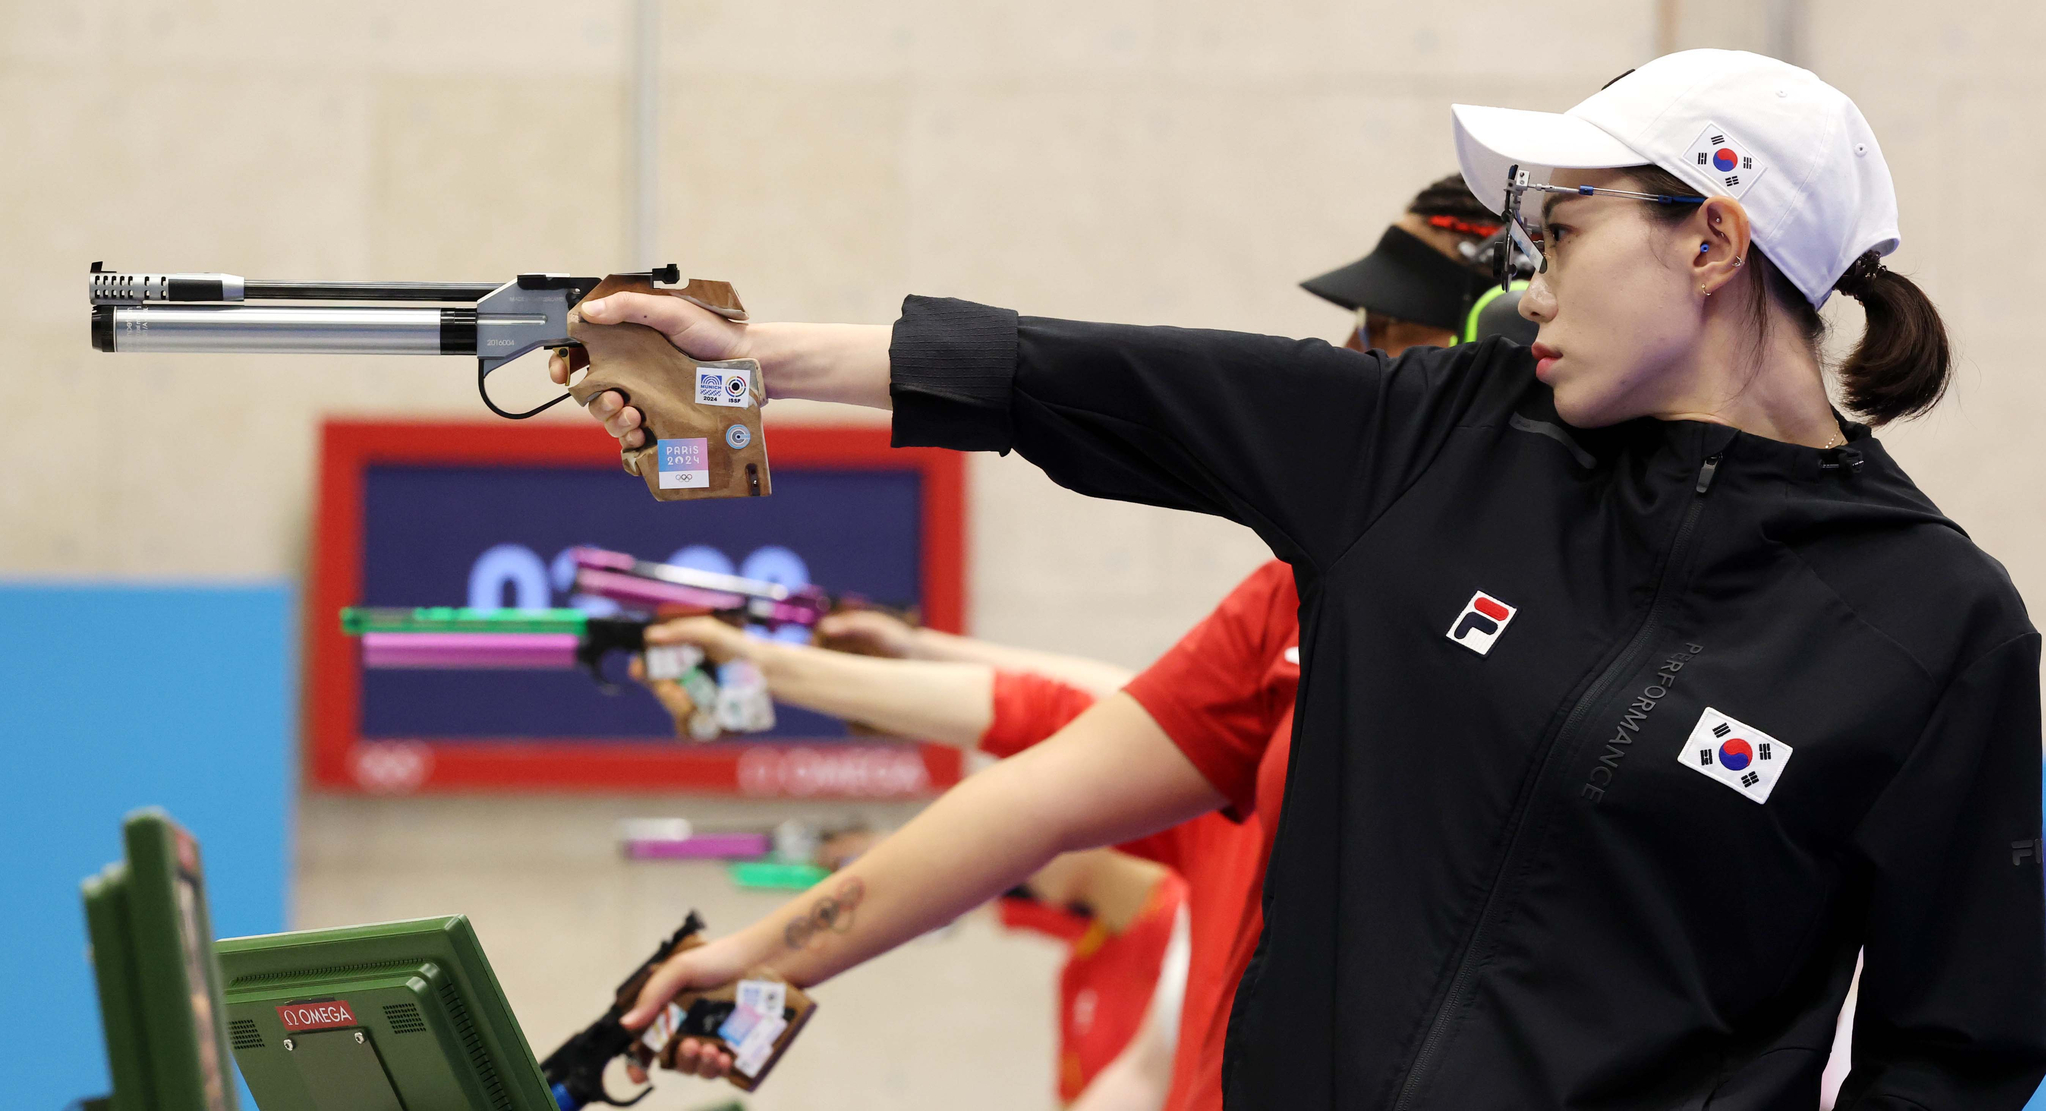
(797, 1007)
(708, 420)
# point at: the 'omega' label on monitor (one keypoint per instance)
(316, 1016)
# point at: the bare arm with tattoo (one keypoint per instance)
(1109, 776)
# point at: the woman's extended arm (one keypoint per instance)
(846, 363)
(1109, 776)
(1304, 443)
(887, 635)
(951, 703)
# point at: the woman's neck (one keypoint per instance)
(1773, 390)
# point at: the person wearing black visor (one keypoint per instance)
(1428, 283)
(1638, 689)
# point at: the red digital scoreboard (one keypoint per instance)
(423, 513)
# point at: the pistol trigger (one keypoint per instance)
(592, 661)
(616, 1102)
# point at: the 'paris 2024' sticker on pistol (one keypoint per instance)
(684, 464)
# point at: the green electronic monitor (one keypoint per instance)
(159, 987)
(398, 1016)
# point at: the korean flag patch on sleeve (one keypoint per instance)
(1740, 756)
(1722, 158)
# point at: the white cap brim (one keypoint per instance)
(1489, 141)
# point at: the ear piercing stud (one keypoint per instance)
(1706, 248)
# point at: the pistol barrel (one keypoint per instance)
(261, 289)
(112, 287)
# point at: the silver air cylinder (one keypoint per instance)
(231, 328)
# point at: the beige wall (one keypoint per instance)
(1143, 160)
(1146, 161)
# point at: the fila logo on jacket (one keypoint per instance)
(1483, 620)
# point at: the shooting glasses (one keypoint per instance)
(1526, 242)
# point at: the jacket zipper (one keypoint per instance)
(1467, 967)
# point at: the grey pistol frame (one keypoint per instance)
(492, 323)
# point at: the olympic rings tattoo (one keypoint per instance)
(831, 914)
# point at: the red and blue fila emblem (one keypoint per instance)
(1482, 620)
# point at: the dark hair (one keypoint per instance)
(1898, 370)
(1452, 200)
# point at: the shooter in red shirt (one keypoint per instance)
(1224, 694)
(1120, 915)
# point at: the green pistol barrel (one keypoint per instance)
(357, 620)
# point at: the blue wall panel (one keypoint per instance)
(113, 698)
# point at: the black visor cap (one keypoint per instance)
(1402, 277)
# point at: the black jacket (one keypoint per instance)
(1541, 876)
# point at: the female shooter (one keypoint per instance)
(1642, 690)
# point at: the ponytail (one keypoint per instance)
(1900, 368)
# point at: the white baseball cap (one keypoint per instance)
(1792, 149)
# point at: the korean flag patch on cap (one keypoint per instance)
(1723, 159)
(1740, 756)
